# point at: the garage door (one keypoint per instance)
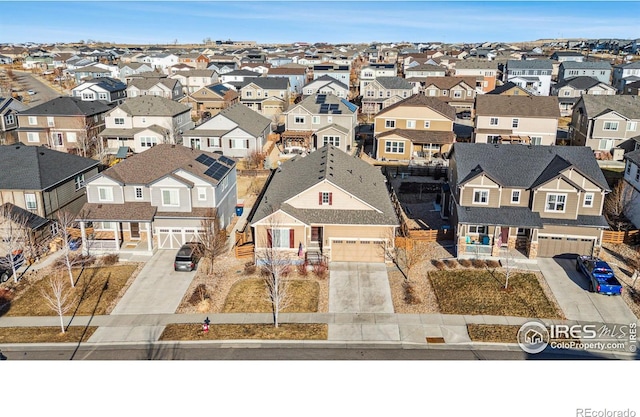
(357, 250)
(549, 246)
(173, 238)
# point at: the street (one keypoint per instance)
(42, 94)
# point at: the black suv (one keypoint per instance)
(187, 257)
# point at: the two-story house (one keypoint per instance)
(158, 199)
(569, 90)
(326, 205)
(143, 122)
(296, 74)
(531, 120)
(632, 88)
(9, 109)
(486, 73)
(338, 72)
(424, 70)
(630, 197)
(415, 129)
(318, 120)
(543, 201)
(66, 124)
(194, 80)
(534, 75)
(371, 72)
(599, 70)
(326, 85)
(196, 60)
(237, 78)
(567, 56)
(210, 100)
(624, 74)
(265, 95)
(162, 87)
(129, 69)
(605, 123)
(382, 92)
(458, 92)
(160, 61)
(105, 89)
(236, 131)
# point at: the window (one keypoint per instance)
(556, 202)
(445, 92)
(394, 147)
(370, 93)
(105, 194)
(493, 121)
(33, 137)
(605, 144)
(457, 94)
(119, 120)
(390, 123)
(138, 193)
(493, 138)
(87, 96)
(331, 140)
(30, 201)
(10, 119)
(57, 139)
(238, 143)
(148, 141)
(249, 93)
(610, 126)
(628, 167)
(280, 238)
(51, 122)
(315, 120)
(638, 174)
(202, 193)
(515, 196)
(432, 93)
(515, 123)
(632, 126)
(325, 198)
(588, 200)
(380, 93)
(170, 198)
(536, 140)
(427, 124)
(482, 230)
(33, 120)
(79, 181)
(566, 93)
(299, 120)
(481, 197)
(102, 96)
(411, 124)
(71, 136)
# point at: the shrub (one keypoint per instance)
(493, 263)
(199, 294)
(249, 268)
(478, 263)
(321, 269)
(302, 269)
(465, 262)
(451, 263)
(110, 259)
(438, 264)
(410, 296)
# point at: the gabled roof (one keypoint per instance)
(152, 106)
(283, 70)
(248, 120)
(25, 167)
(597, 65)
(327, 79)
(633, 156)
(530, 64)
(445, 83)
(147, 83)
(352, 174)
(268, 83)
(420, 100)
(31, 220)
(506, 87)
(106, 83)
(579, 83)
(68, 106)
(394, 83)
(521, 166)
(314, 105)
(426, 67)
(521, 106)
(219, 89)
(10, 103)
(625, 105)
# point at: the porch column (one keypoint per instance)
(149, 238)
(83, 235)
(115, 234)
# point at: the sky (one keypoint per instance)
(162, 22)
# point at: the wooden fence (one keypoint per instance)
(422, 236)
(626, 236)
(245, 251)
(253, 172)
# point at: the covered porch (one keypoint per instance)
(295, 142)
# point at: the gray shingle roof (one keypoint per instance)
(25, 167)
(69, 106)
(522, 106)
(626, 105)
(330, 164)
(247, 119)
(269, 83)
(394, 83)
(580, 83)
(153, 106)
(597, 65)
(107, 83)
(33, 221)
(420, 100)
(530, 64)
(633, 156)
(501, 216)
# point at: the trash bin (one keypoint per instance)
(239, 210)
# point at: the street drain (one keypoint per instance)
(435, 339)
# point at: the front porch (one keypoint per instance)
(295, 142)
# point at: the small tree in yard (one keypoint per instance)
(212, 238)
(69, 259)
(617, 203)
(14, 236)
(58, 296)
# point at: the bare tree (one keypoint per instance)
(70, 258)
(58, 296)
(617, 203)
(14, 236)
(213, 239)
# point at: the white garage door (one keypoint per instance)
(173, 238)
(357, 250)
(549, 246)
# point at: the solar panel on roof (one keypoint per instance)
(321, 98)
(202, 158)
(226, 160)
(337, 112)
(333, 107)
(217, 171)
(324, 108)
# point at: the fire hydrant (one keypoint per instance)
(205, 325)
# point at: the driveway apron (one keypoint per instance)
(358, 287)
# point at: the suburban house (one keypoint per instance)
(382, 92)
(632, 88)
(158, 199)
(143, 122)
(424, 70)
(236, 79)
(605, 123)
(43, 182)
(160, 61)
(570, 90)
(414, 130)
(632, 177)
(600, 70)
(236, 131)
(541, 200)
(567, 56)
(265, 95)
(458, 92)
(9, 109)
(338, 72)
(66, 124)
(194, 80)
(129, 69)
(534, 75)
(624, 74)
(209, 100)
(318, 120)
(161, 87)
(326, 85)
(296, 74)
(196, 60)
(92, 71)
(509, 89)
(516, 119)
(486, 73)
(106, 89)
(326, 205)
(371, 72)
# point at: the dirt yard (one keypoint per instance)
(420, 198)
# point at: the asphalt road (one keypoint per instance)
(26, 81)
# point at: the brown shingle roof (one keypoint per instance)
(420, 100)
(445, 83)
(523, 106)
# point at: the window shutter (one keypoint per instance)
(291, 238)
(320, 198)
(330, 198)
(269, 239)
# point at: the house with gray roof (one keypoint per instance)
(129, 69)
(236, 131)
(624, 74)
(268, 96)
(534, 75)
(381, 92)
(193, 80)
(162, 87)
(9, 109)
(326, 85)
(606, 124)
(543, 201)
(158, 199)
(106, 89)
(570, 90)
(631, 197)
(600, 70)
(328, 206)
(296, 74)
(143, 122)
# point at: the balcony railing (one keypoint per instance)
(478, 249)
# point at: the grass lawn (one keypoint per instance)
(91, 295)
(482, 292)
(45, 334)
(291, 331)
(250, 296)
(496, 333)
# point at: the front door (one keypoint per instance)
(504, 236)
(316, 235)
(135, 230)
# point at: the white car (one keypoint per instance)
(31, 92)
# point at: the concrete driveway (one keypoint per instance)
(571, 289)
(358, 287)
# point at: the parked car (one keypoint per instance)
(187, 257)
(6, 271)
(31, 92)
(601, 277)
